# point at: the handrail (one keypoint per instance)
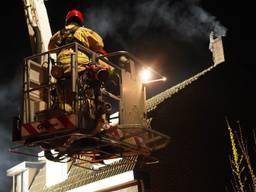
(120, 53)
(55, 50)
(95, 56)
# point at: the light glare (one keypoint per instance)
(146, 75)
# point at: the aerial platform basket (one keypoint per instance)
(70, 133)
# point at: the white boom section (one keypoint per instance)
(40, 33)
(37, 19)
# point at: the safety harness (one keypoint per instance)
(67, 36)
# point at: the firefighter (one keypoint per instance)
(74, 31)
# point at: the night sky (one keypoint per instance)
(172, 36)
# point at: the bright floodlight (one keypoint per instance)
(145, 75)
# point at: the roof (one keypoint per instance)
(79, 176)
(153, 102)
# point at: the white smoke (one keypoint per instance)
(103, 20)
(185, 17)
(9, 99)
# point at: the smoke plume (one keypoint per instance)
(10, 98)
(186, 18)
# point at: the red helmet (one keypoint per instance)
(75, 13)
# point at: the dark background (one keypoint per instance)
(172, 36)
